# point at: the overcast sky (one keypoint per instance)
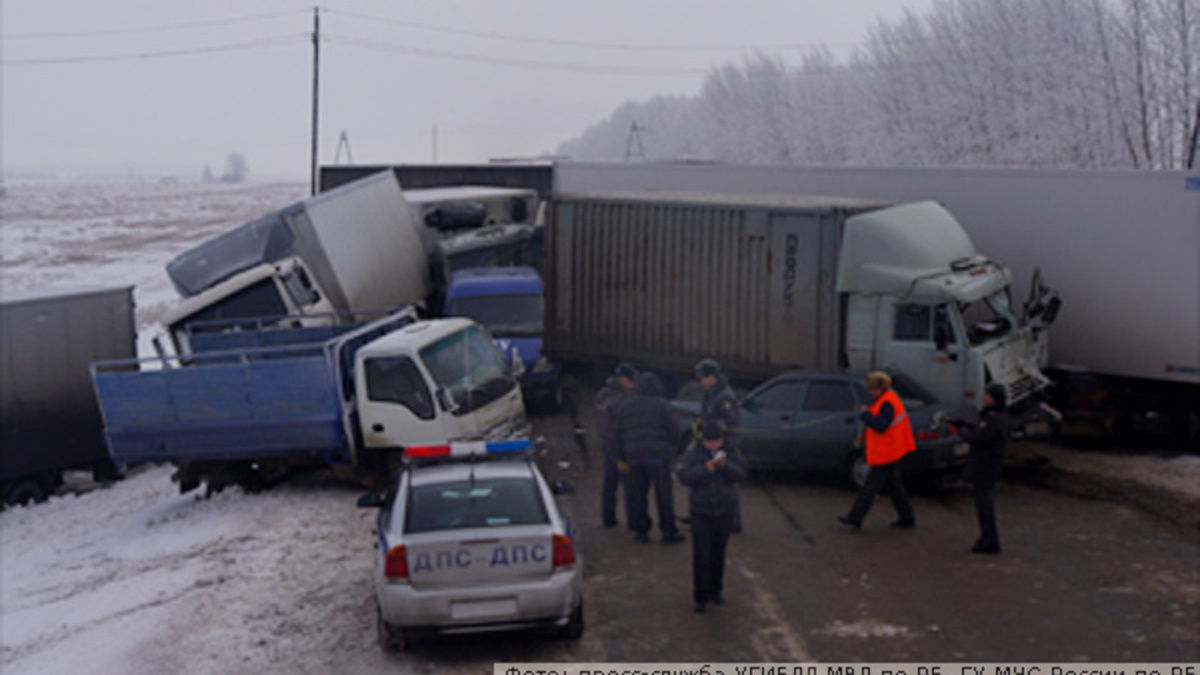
(151, 87)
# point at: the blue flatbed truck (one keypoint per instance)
(250, 407)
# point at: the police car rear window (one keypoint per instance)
(483, 503)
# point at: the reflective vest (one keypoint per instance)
(897, 441)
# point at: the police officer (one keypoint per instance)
(710, 467)
(647, 438)
(989, 440)
(720, 405)
(608, 401)
(889, 437)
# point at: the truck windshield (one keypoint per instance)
(470, 367)
(987, 319)
(504, 315)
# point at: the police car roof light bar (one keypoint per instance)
(467, 449)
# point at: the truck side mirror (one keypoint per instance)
(446, 400)
(1051, 311)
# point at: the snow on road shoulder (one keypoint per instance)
(137, 578)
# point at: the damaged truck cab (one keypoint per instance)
(918, 297)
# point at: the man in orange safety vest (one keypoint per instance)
(888, 437)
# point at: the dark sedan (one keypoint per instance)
(809, 421)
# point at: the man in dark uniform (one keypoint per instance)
(710, 467)
(609, 400)
(720, 405)
(647, 438)
(989, 440)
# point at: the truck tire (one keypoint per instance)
(23, 491)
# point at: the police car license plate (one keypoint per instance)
(484, 609)
(961, 449)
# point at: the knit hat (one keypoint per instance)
(711, 431)
(998, 393)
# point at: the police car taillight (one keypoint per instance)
(396, 564)
(467, 449)
(564, 551)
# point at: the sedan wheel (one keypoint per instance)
(390, 640)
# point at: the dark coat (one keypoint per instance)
(712, 494)
(608, 402)
(720, 404)
(647, 426)
(989, 440)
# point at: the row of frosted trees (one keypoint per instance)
(1044, 83)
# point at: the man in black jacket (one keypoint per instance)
(710, 468)
(720, 404)
(647, 436)
(616, 393)
(989, 440)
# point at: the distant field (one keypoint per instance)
(121, 234)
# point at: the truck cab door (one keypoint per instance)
(922, 341)
(395, 405)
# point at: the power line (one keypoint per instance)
(583, 44)
(155, 29)
(526, 64)
(168, 53)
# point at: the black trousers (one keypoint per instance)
(880, 476)
(643, 476)
(710, 536)
(608, 490)
(985, 510)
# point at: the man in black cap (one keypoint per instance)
(989, 440)
(616, 391)
(720, 405)
(710, 467)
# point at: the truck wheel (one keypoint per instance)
(574, 628)
(25, 491)
(857, 469)
(390, 640)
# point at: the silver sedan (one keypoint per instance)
(472, 546)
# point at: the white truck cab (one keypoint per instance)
(921, 299)
(283, 289)
(432, 381)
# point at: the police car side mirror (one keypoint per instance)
(371, 500)
(562, 487)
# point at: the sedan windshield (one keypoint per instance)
(475, 503)
(504, 315)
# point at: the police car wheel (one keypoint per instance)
(390, 640)
(574, 628)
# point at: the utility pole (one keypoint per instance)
(633, 144)
(312, 187)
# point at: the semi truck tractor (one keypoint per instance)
(765, 283)
(251, 409)
(48, 416)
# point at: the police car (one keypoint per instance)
(471, 539)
